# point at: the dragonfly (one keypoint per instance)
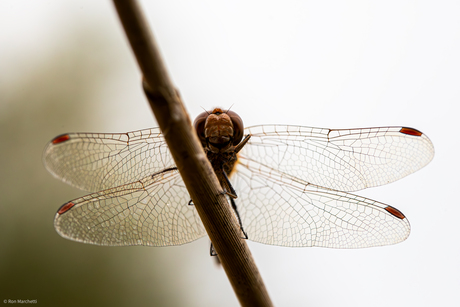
(291, 183)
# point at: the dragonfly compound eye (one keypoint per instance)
(198, 124)
(238, 127)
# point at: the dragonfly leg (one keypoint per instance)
(232, 201)
(229, 190)
(212, 251)
(232, 195)
(242, 143)
(190, 203)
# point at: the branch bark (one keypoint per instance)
(196, 171)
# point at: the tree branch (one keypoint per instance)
(195, 169)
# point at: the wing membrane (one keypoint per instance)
(279, 209)
(340, 159)
(98, 161)
(152, 211)
(287, 179)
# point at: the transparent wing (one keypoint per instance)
(152, 211)
(340, 159)
(98, 161)
(279, 209)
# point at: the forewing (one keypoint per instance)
(340, 159)
(98, 161)
(153, 211)
(283, 210)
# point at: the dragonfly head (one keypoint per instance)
(219, 129)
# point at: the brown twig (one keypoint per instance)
(195, 169)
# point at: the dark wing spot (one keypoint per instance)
(395, 212)
(65, 207)
(410, 131)
(61, 138)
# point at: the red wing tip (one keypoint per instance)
(61, 138)
(410, 131)
(395, 212)
(65, 207)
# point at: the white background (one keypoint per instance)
(335, 64)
